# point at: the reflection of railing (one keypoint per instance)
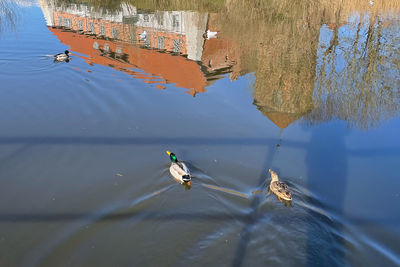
(223, 141)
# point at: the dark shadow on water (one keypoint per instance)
(248, 218)
(82, 140)
(15, 153)
(327, 170)
(254, 215)
(327, 175)
(88, 140)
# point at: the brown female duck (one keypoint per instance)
(280, 189)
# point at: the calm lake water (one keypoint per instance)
(310, 90)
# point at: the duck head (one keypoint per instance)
(274, 175)
(172, 157)
(66, 52)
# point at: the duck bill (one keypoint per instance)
(188, 183)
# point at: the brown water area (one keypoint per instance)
(309, 89)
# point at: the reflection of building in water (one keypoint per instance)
(221, 55)
(148, 65)
(118, 39)
(174, 31)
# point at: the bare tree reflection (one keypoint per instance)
(357, 76)
(353, 76)
(8, 15)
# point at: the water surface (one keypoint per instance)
(310, 90)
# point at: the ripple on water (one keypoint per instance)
(248, 229)
(30, 65)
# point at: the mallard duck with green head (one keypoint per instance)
(280, 189)
(179, 170)
(60, 57)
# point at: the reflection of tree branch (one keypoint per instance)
(8, 14)
(365, 90)
(353, 64)
(334, 40)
